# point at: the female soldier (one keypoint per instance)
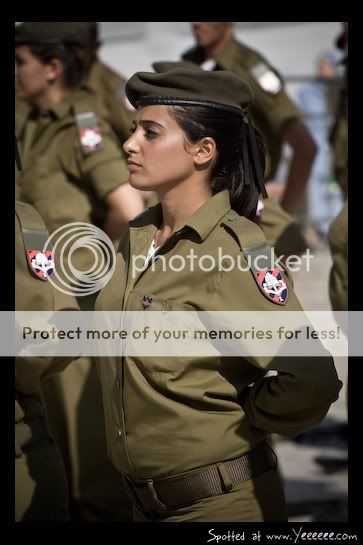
(188, 433)
(73, 171)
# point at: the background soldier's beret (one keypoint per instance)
(165, 66)
(51, 33)
(221, 90)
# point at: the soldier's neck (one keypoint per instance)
(52, 97)
(180, 203)
(212, 51)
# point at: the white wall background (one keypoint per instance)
(291, 47)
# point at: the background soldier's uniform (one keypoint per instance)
(41, 492)
(338, 242)
(338, 231)
(67, 183)
(339, 137)
(272, 110)
(107, 88)
(167, 416)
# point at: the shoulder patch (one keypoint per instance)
(89, 132)
(267, 79)
(41, 263)
(260, 258)
(273, 285)
(35, 236)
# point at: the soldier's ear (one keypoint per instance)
(55, 70)
(204, 151)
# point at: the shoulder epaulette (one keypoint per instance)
(260, 257)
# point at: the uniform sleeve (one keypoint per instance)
(36, 295)
(105, 168)
(301, 393)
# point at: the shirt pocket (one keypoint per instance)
(159, 332)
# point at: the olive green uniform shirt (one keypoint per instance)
(33, 294)
(271, 112)
(167, 415)
(40, 480)
(59, 179)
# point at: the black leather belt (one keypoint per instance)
(212, 480)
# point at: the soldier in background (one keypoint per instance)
(338, 236)
(106, 85)
(274, 114)
(73, 172)
(338, 231)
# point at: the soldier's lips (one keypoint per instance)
(133, 166)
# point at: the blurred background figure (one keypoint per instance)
(317, 100)
(41, 492)
(106, 86)
(338, 231)
(73, 171)
(273, 111)
(279, 120)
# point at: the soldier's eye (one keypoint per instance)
(150, 134)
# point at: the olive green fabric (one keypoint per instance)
(270, 112)
(165, 66)
(40, 482)
(107, 88)
(246, 502)
(52, 32)
(75, 409)
(41, 493)
(281, 230)
(165, 416)
(33, 294)
(220, 89)
(62, 182)
(338, 243)
(66, 185)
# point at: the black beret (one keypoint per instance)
(221, 89)
(51, 33)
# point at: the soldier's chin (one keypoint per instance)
(138, 184)
(19, 92)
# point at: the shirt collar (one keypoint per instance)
(202, 221)
(58, 111)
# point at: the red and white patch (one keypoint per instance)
(91, 139)
(41, 263)
(273, 285)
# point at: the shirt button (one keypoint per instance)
(118, 384)
(120, 433)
